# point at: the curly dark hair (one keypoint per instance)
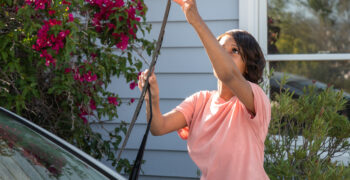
(250, 52)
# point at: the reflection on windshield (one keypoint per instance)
(25, 154)
(305, 26)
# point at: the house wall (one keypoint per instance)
(182, 69)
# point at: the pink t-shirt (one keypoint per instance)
(224, 140)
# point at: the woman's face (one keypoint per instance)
(229, 44)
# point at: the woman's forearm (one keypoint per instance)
(157, 117)
(221, 61)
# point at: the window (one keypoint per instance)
(310, 39)
(302, 37)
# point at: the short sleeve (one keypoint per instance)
(262, 109)
(187, 107)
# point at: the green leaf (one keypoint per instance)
(9, 2)
(3, 42)
(51, 90)
(4, 55)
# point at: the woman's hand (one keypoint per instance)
(189, 7)
(153, 83)
(161, 124)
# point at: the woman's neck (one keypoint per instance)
(224, 92)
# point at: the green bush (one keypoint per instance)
(57, 58)
(306, 135)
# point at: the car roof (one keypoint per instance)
(103, 169)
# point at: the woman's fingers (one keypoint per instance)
(140, 83)
(152, 81)
(189, 8)
(179, 2)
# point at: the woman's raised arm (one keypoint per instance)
(222, 62)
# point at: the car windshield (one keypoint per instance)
(25, 154)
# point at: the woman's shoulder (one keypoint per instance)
(256, 87)
(258, 92)
(203, 95)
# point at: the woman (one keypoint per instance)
(227, 127)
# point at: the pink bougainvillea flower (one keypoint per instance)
(131, 12)
(52, 12)
(50, 61)
(95, 21)
(131, 31)
(119, 3)
(65, 2)
(132, 100)
(124, 40)
(110, 26)
(85, 121)
(92, 104)
(133, 85)
(67, 32)
(70, 17)
(89, 78)
(58, 45)
(62, 34)
(138, 75)
(112, 100)
(29, 2)
(48, 43)
(78, 77)
(44, 53)
(139, 6)
(48, 58)
(67, 70)
(99, 83)
(53, 22)
(82, 115)
(93, 55)
(40, 4)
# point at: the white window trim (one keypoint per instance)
(308, 57)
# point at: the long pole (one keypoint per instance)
(151, 68)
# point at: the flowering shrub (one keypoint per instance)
(57, 58)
